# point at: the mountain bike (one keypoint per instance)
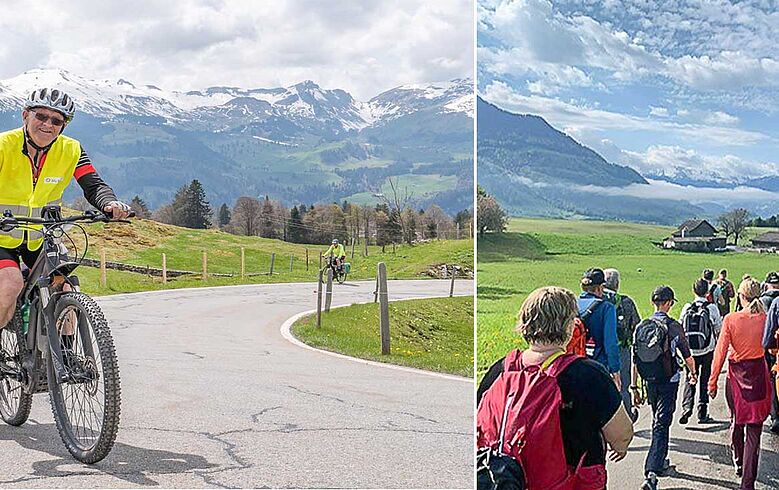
(59, 341)
(339, 273)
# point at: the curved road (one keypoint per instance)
(214, 396)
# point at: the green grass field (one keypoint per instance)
(143, 243)
(434, 334)
(535, 253)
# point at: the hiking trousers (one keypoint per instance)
(745, 444)
(662, 399)
(626, 361)
(703, 368)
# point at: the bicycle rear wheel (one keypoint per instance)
(15, 404)
(86, 405)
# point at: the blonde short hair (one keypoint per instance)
(750, 289)
(546, 316)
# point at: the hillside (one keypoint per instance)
(535, 170)
(144, 241)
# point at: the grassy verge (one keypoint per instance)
(536, 253)
(434, 334)
(143, 243)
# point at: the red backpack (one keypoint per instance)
(581, 343)
(522, 410)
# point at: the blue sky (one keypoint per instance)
(667, 87)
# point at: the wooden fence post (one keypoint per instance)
(451, 287)
(306, 259)
(366, 247)
(384, 309)
(376, 291)
(243, 262)
(319, 301)
(329, 293)
(272, 260)
(290, 263)
(103, 280)
(164, 268)
(205, 265)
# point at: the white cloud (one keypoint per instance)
(665, 190)
(541, 35)
(567, 115)
(658, 111)
(363, 47)
(720, 117)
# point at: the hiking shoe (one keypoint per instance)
(685, 418)
(650, 483)
(739, 471)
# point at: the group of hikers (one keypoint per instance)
(550, 415)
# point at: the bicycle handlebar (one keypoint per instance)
(8, 221)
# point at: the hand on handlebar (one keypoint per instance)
(118, 210)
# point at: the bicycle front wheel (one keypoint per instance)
(15, 404)
(86, 403)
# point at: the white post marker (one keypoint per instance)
(329, 293)
(164, 268)
(205, 265)
(319, 301)
(243, 262)
(384, 309)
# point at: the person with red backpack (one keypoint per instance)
(545, 417)
(702, 324)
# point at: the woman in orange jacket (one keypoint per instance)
(748, 385)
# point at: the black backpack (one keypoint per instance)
(698, 326)
(652, 350)
(496, 471)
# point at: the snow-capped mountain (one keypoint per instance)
(305, 105)
(301, 143)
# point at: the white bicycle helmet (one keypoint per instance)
(54, 99)
(335, 241)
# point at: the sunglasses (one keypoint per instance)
(55, 121)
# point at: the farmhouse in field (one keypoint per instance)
(695, 235)
(769, 240)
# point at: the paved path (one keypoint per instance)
(699, 454)
(213, 395)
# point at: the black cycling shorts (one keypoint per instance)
(10, 257)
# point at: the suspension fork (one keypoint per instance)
(48, 336)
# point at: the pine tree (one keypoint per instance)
(296, 233)
(267, 227)
(140, 208)
(191, 208)
(224, 216)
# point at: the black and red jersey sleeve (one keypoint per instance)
(96, 191)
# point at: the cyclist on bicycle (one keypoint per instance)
(36, 165)
(338, 253)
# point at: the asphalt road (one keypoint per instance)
(213, 395)
(699, 454)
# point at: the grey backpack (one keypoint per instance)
(652, 349)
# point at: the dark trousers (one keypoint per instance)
(626, 360)
(662, 399)
(775, 402)
(745, 443)
(703, 368)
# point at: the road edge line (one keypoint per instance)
(286, 332)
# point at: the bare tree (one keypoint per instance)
(246, 216)
(398, 201)
(734, 222)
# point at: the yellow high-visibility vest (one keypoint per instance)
(16, 190)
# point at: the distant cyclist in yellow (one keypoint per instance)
(36, 165)
(338, 253)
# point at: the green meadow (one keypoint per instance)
(537, 252)
(143, 242)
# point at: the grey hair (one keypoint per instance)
(546, 316)
(612, 279)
